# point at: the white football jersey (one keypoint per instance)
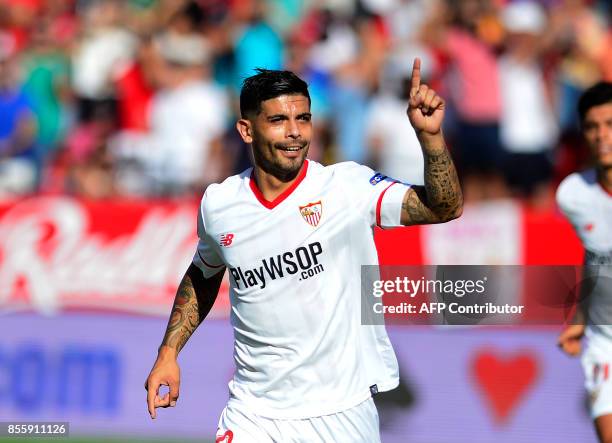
(295, 275)
(588, 207)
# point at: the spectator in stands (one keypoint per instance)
(94, 177)
(187, 120)
(352, 50)
(88, 168)
(394, 147)
(340, 46)
(104, 47)
(467, 33)
(256, 44)
(583, 34)
(46, 83)
(134, 87)
(528, 124)
(581, 31)
(17, 18)
(63, 21)
(18, 166)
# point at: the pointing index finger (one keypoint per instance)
(415, 82)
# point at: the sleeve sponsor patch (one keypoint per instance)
(377, 178)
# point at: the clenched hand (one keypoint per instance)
(425, 107)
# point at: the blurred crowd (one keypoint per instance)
(138, 98)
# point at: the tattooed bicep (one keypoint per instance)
(414, 209)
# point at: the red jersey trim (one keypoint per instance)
(286, 193)
(379, 204)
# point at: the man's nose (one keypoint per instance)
(293, 129)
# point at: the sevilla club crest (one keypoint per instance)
(312, 213)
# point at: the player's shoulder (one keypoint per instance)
(351, 170)
(218, 195)
(358, 178)
(575, 184)
(575, 187)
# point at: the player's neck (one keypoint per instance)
(604, 177)
(271, 186)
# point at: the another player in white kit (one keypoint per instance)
(586, 200)
(294, 235)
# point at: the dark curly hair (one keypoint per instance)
(267, 84)
(597, 95)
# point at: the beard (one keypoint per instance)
(267, 157)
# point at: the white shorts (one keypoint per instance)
(358, 424)
(597, 366)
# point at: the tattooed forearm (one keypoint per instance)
(444, 195)
(194, 299)
(184, 318)
(440, 199)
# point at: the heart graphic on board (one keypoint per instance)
(504, 380)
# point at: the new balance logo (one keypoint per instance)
(226, 240)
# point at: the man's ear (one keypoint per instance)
(244, 128)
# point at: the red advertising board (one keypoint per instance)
(59, 253)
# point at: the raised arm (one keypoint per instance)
(194, 299)
(440, 200)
